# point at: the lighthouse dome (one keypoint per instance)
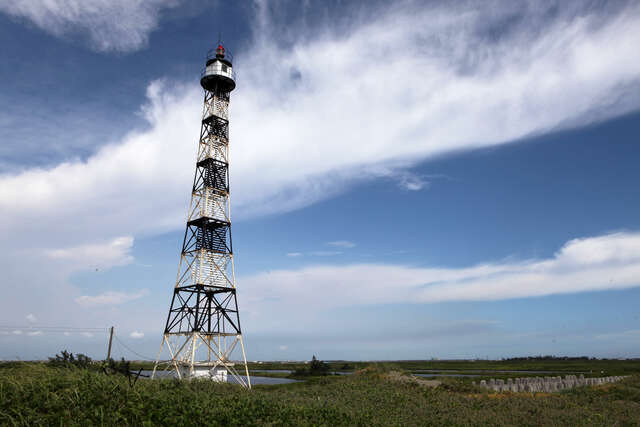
(218, 72)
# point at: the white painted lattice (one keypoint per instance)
(216, 106)
(210, 269)
(212, 147)
(214, 205)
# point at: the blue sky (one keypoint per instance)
(415, 181)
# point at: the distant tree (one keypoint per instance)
(66, 359)
(316, 367)
(122, 367)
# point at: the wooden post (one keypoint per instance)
(110, 340)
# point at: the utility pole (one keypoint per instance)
(110, 341)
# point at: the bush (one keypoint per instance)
(67, 360)
(316, 368)
(37, 394)
(380, 369)
(121, 367)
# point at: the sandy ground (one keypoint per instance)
(399, 376)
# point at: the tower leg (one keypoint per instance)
(155, 366)
(192, 359)
(184, 352)
(244, 359)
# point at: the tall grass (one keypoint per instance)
(36, 394)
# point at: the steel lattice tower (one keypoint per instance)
(203, 326)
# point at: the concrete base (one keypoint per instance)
(217, 374)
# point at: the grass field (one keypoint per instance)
(37, 394)
(588, 367)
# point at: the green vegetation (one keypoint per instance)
(40, 394)
(67, 360)
(315, 368)
(484, 368)
(596, 367)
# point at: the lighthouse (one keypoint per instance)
(202, 335)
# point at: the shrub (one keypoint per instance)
(121, 367)
(316, 368)
(66, 359)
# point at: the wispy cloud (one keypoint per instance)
(112, 25)
(110, 298)
(338, 244)
(414, 183)
(294, 254)
(461, 88)
(610, 261)
(342, 244)
(406, 179)
(325, 253)
(136, 335)
(410, 181)
(96, 255)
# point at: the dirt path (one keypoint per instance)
(400, 377)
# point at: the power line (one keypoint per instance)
(132, 351)
(71, 329)
(52, 328)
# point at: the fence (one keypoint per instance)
(545, 384)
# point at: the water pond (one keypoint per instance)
(289, 371)
(419, 373)
(254, 379)
(455, 372)
(445, 375)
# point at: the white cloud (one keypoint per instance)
(440, 84)
(17, 332)
(110, 298)
(413, 183)
(31, 318)
(610, 261)
(112, 25)
(342, 244)
(283, 348)
(405, 179)
(117, 186)
(34, 333)
(95, 255)
(325, 253)
(458, 90)
(294, 254)
(87, 334)
(136, 334)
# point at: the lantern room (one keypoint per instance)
(218, 73)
